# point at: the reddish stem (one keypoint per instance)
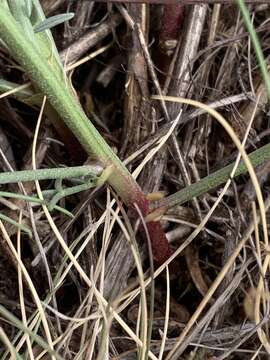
(172, 19)
(160, 245)
(171, 24)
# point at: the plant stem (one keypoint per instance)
(54, 85)
(55, 173)
(256, 43)
(211, 181)
(65, 103)
(16, 224)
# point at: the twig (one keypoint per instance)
(89, 39)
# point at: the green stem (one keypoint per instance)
(212, 181)
(55, 173)
(65, 103)
(35, 199)
(67, 192)
(256, 43)
(16, 224)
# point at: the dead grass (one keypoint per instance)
(82, 288)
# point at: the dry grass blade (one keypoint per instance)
(22, 300)
(31, 286)
(6, 341)
(174, 352)
(242, 151)
(86, 279)
(167, 316)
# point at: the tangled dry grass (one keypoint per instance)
(85, 286)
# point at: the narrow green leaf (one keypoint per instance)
(53, 21)
(16, 224)
(256, 44)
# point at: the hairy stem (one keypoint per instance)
(65, 103)
(211, 181)
(54, 173)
